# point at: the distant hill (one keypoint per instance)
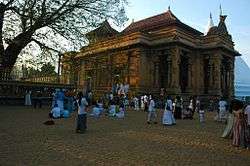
(242, 71)
(242, 78)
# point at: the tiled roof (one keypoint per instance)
(154, 22)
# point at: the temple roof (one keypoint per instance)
(158, 21)
(221, 29)
(103, 31)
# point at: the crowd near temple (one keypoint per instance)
(158, 63)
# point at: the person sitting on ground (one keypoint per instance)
(112, 109)
(55, 112)
(96, 110)
(100, 106)
(121, 113)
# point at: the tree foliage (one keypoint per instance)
(47, 22)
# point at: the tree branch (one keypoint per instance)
(42, 45)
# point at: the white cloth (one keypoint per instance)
(60, 104)
(96, 112)
(121, 113)
(202, 115)
(168, 117)
(112, 110)
(27, 98)
(247, 112)
(142, 103)
(151, 107)
(56, 113)
(223, 111)
(136, 103)
(82, 106)
(222, 105)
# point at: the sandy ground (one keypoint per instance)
(25, 141)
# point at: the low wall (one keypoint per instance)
(13, 92)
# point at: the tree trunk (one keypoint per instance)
(11, 53)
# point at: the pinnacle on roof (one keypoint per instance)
(210, 23)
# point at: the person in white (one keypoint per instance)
(142, 103)
(56, 113)
(222, 110)
(27, 98)
(136, 103)
(82, 114)
(168, 117)
(151, 112)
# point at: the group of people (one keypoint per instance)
(235, 113)
(173, 109)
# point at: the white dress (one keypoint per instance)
(121, 113)
(27, 98)
(112, 110)
(168, 117)
(223, 111)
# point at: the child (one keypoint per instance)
(201, 114)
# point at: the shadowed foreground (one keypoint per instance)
(25, 140)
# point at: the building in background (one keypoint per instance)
(154, 53)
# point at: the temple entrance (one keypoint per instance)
(183, 80)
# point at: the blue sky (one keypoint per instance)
(196, 13)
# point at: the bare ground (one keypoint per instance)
(25, 140)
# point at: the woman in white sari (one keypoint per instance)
(168, 117)
(27, 98)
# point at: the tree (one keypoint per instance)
(42, 22)
(48, 70)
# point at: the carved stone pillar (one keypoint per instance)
(157, 78)
(231, 79)
(215, 87)
(174, 83)
(169, 75)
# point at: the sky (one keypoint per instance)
(195, 13)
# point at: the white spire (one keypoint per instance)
(210, 24)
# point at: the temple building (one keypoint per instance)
(154, 53)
